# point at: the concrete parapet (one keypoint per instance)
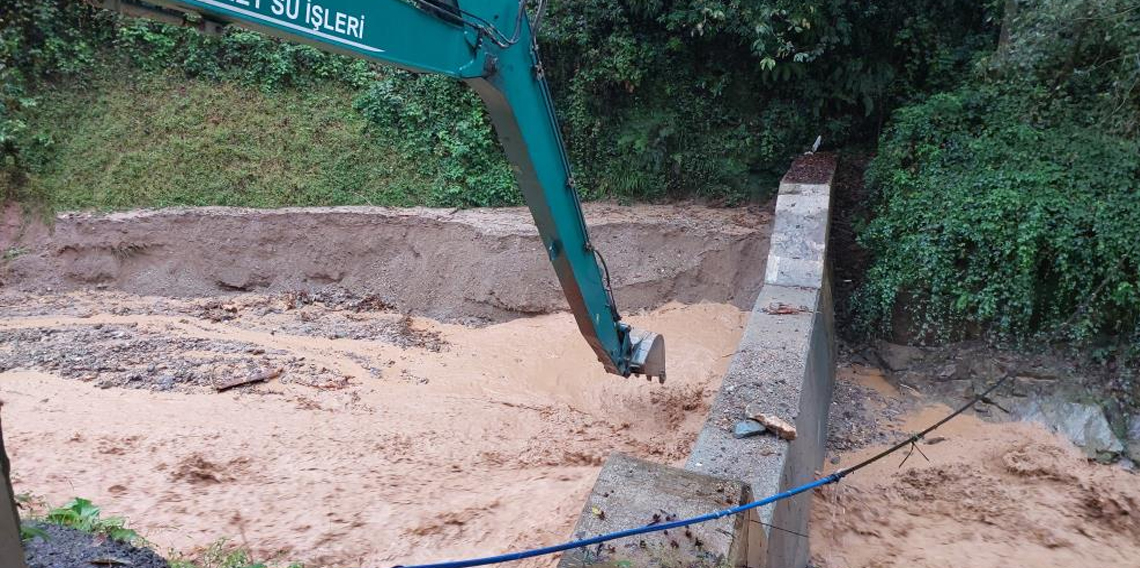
(784, 366)
(633, 493)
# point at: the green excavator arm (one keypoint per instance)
(489, 44)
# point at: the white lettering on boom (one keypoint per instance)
(315, 16)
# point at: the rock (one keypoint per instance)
(775, 424)
(898, 357)
(1083, 424)
(1128, 465)
(747, 429)
(983, 367)
(1133, 438)
(166, 382)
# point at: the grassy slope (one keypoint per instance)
(152, 141)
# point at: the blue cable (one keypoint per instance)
(633, 532)
(833, 478)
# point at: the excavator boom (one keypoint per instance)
(489, 44)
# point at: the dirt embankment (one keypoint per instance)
(473, 265)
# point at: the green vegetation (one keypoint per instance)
(151, 141)
(1005, 204)
(221, 555)
(699, 98)
(80, 514)
(712, 98)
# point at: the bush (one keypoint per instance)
(712, 98)
(441, 126)
(1008, 203)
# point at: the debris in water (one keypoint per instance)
(258, 377)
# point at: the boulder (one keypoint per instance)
(1084, 424)
(1132, 445)
(898, 357)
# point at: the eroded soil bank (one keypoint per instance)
(381, 438)
(975, 493)
(474, 265)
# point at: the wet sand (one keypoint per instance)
(365, 451)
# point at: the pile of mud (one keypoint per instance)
(474, 265)
(983, 495)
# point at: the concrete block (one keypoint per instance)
(784, 365)
(799, 240)
(632, 493)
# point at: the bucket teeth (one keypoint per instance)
(648, 354)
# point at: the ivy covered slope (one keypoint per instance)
(1006, 204)
(691, 98)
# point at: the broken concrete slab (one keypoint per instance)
(748, 428)
(633, 493)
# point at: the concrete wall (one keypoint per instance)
(783, 366)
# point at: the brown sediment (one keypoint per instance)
(385, 440)
(991, 495)
(484, 265)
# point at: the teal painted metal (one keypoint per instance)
(488, 44)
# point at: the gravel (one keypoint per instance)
(63, 547)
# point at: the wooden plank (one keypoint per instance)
(257, 377)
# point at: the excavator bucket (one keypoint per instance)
(648, 354)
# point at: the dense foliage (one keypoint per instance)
(658, 99)
(1008, 203)
(712, 97)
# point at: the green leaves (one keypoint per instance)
(83, 515)
(993, 212)
(440, 125)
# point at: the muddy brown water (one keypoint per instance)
(392, 431)
(488, 445)
(980, 495)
